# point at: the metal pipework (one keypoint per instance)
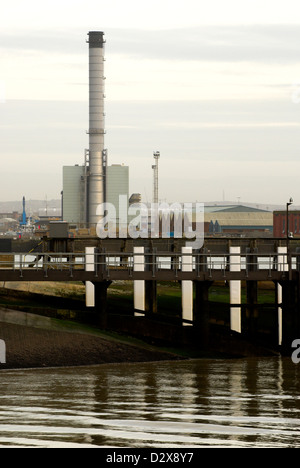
(96, 124)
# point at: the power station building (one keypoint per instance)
(87, 186)
(73, 204)
(84, 186)
(117, 183)
(75, 191)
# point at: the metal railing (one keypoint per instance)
(198, 263)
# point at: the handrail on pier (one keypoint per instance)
(107, 262)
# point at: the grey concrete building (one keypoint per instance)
(75, 191)
(73, 194)
(117, 183)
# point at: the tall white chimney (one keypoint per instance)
(96, 124)
(156, 156)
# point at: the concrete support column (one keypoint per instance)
(235, 290)
(251, 322)
(252, 310)
(151, 297)
(150, 285)
(187, 286)
(139, 285)
(100, 289)
(201, 311)
(89, 286)
(282, 265)
(290, 312)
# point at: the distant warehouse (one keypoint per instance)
(237, 220)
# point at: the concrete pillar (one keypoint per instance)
(282, 265)
(252, 292)
(187, 286)
(100, 289)
(150, 285)
(252, 310)
(151, 297)
(290, 314)
(235, 290)
(201, 311)
(89, 286)
(139, 285)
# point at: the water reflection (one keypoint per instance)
(239, 403)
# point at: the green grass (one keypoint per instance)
(169, 295)
(221, 294)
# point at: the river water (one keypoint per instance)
(198, 403)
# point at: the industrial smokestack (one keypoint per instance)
(96, 124)
(156, 156)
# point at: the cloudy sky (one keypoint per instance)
(214, 86)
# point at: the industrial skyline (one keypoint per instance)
(215, 88)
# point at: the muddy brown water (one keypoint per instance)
(196, 403)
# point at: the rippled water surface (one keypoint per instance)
(233, 403)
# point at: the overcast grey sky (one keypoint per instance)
(214, 86)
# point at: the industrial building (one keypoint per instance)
(280, 223)
(117, 183)
(237, 220)
(14, 215)
(84, 186)
(87, 186)
(73, 194)
(74, 191)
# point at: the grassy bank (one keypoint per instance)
(71, 296)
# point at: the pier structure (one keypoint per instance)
(237, 263)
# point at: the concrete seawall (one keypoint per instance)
(33, 341)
